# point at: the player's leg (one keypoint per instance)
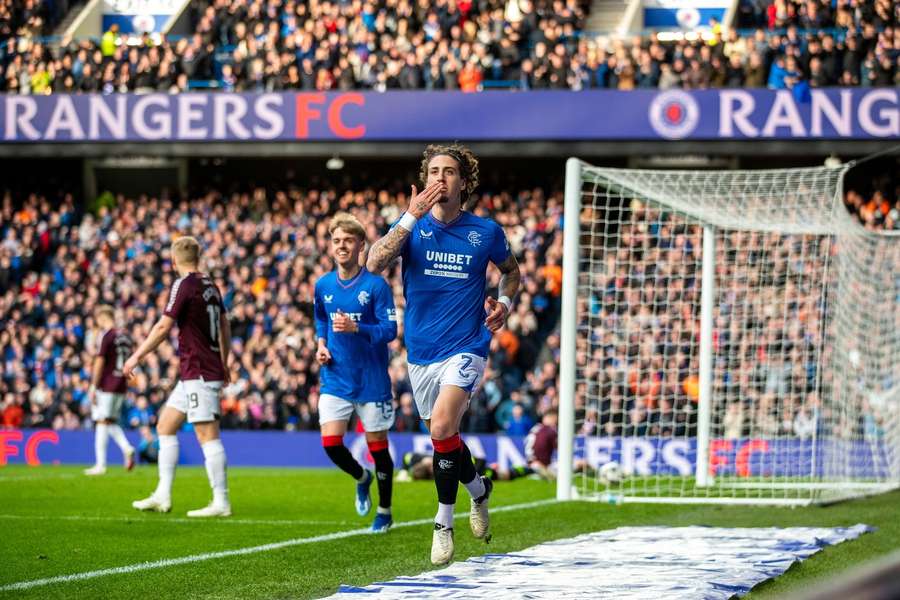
(448, 409)
(334, 413)
(463, 372)
(116, 433)
(100, 413)
(426, 384)
(377, 418)
(101, 440)
(170, 420)
(544, 471)
(516, 472)
(216, 470)
(203, 414)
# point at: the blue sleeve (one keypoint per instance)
(385, 329)
(321, 316)
(499, 246)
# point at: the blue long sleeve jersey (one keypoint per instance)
(358, 370)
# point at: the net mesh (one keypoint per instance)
(805, 367)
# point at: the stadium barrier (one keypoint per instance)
(722, 114)
(638, 456)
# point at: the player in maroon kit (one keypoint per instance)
(108, 389)
(204, 342)
(540, 445)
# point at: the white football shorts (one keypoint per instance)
(462, 370)
(109, 406)
(375, 416)
(196, 398)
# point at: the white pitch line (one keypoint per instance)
(173, 520)
(172, 562)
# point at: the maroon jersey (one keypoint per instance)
(115, 348)
(196, 305)
(540, 444)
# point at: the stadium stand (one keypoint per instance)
(271, 46)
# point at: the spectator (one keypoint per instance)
(519, 423)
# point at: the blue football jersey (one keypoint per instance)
(358, 370)
(444, 281)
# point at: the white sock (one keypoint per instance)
(444, 515)
(118, 436)
(214, 453)
(476, 487)
(384, 511)
(168, 459)
(101, 439)
(364, 476)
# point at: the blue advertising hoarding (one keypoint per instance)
(722, 114)
(639, 455)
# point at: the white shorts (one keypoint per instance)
(196, 398)
(109, 406)
(375, 416)
(462, 370)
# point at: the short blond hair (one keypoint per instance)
(349, 223)
(105, 310)
(186, 250)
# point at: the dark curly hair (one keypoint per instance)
(468, 167)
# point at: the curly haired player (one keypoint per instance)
(448, 323)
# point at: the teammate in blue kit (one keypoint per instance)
(355, 321)
(445, 252)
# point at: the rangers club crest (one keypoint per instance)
(674, 114)
(474, 238)
(363, 298)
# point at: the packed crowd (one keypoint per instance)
(639, 363)
(874, 211)
(271, 45)
(29, 18)
(264, 250)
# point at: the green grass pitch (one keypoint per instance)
(54, 522)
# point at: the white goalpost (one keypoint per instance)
(727, 337)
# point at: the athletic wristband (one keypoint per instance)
(505, 301)
(407, 222)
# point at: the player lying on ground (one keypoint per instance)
(418, 466)
(355, 321)
(445, 252)
(108, 388)
(204, 342)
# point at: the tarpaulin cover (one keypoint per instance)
(628, 562)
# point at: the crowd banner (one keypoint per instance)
(683, 14)
(139, 16)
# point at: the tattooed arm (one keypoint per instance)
(384, 251)
(510, 277)
(509, 285)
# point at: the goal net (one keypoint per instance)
(728, 337)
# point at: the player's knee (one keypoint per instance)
(442, 430)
